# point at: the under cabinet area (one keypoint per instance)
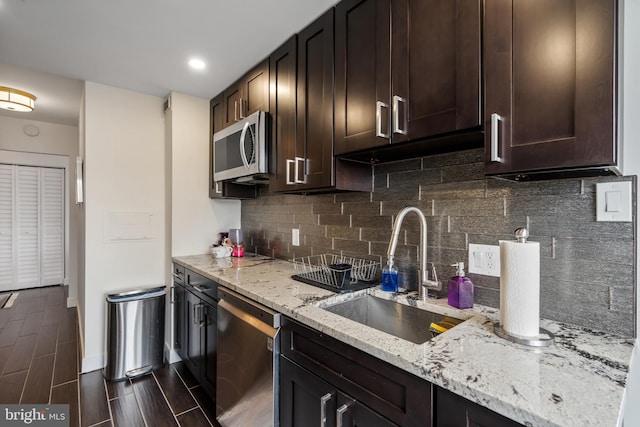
(549, 85)
(329, 381)
(194, 301)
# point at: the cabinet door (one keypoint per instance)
(455, 411)
(305, 400)
(193, 334)
(231, 104)
(255, 90)
(283, 115)
(216, 123)
(314, 141)
(208, 380)
(179, 319)
(435, 67)
(549, 84)
(363, 72)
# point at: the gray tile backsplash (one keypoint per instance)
(587, 267)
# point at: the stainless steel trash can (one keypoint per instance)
(135, 332)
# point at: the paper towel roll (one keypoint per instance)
(520, 288)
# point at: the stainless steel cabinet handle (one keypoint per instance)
(178, 276)
(297, 179)
(324, 400)
(290, 163)
(195, 314)
(218, 187)
(396, 115)
(379, 106)
(198, 288)
(495, 137)
(235, 111)
(341, 414)
(241, 113)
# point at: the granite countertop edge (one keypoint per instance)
(533, 386)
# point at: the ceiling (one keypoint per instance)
(49, 48)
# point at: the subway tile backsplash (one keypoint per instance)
(587, 267)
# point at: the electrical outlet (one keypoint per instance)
(484, 259)
(295, 236)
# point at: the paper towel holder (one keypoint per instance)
(530, 341)
(521, 235)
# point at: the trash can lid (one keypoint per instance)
(136, 293)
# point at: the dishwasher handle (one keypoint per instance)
(263, 327)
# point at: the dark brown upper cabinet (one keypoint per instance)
(248, 95)
(550, 85)
(301, 107)
(405, 70)
(283, 64)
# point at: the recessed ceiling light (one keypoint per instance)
(197, 64)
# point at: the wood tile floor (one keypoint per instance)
(39, 363)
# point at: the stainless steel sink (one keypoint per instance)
(402, 321)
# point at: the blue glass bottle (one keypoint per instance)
(390, 278)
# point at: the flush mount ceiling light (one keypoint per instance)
(16, 100)
(197, 64)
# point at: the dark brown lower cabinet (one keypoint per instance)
(452, 410)
(196, 332)
(325, 382)
(307, 400)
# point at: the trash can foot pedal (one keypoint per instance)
(139, 371)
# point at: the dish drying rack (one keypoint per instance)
(328, 271)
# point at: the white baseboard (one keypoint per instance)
(173, 356)
(92, 363)
(72, 302)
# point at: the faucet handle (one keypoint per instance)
(433, 282)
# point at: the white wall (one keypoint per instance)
(55, 145)
(630, 132)
(124, 150)
(194, 219)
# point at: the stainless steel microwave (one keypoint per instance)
(241, 149)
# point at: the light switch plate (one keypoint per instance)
(484, 259)
(613, 201)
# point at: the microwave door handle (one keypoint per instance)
(243, 154)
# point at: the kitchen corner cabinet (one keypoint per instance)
(247, 95)
(455, 411)
(195, 329)
(549, 85)
(303, 144)
(326, 382)
(405, 70)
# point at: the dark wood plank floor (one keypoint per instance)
(39, 363)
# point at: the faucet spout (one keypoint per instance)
(393, 243)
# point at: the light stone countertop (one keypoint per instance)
(578, 381)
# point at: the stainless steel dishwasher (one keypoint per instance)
(248, 352)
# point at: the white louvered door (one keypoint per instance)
(7, 217)
(31, 227)
(52, 220)
(28, 219)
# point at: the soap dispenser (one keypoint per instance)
(390, 277)
(460, 288)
